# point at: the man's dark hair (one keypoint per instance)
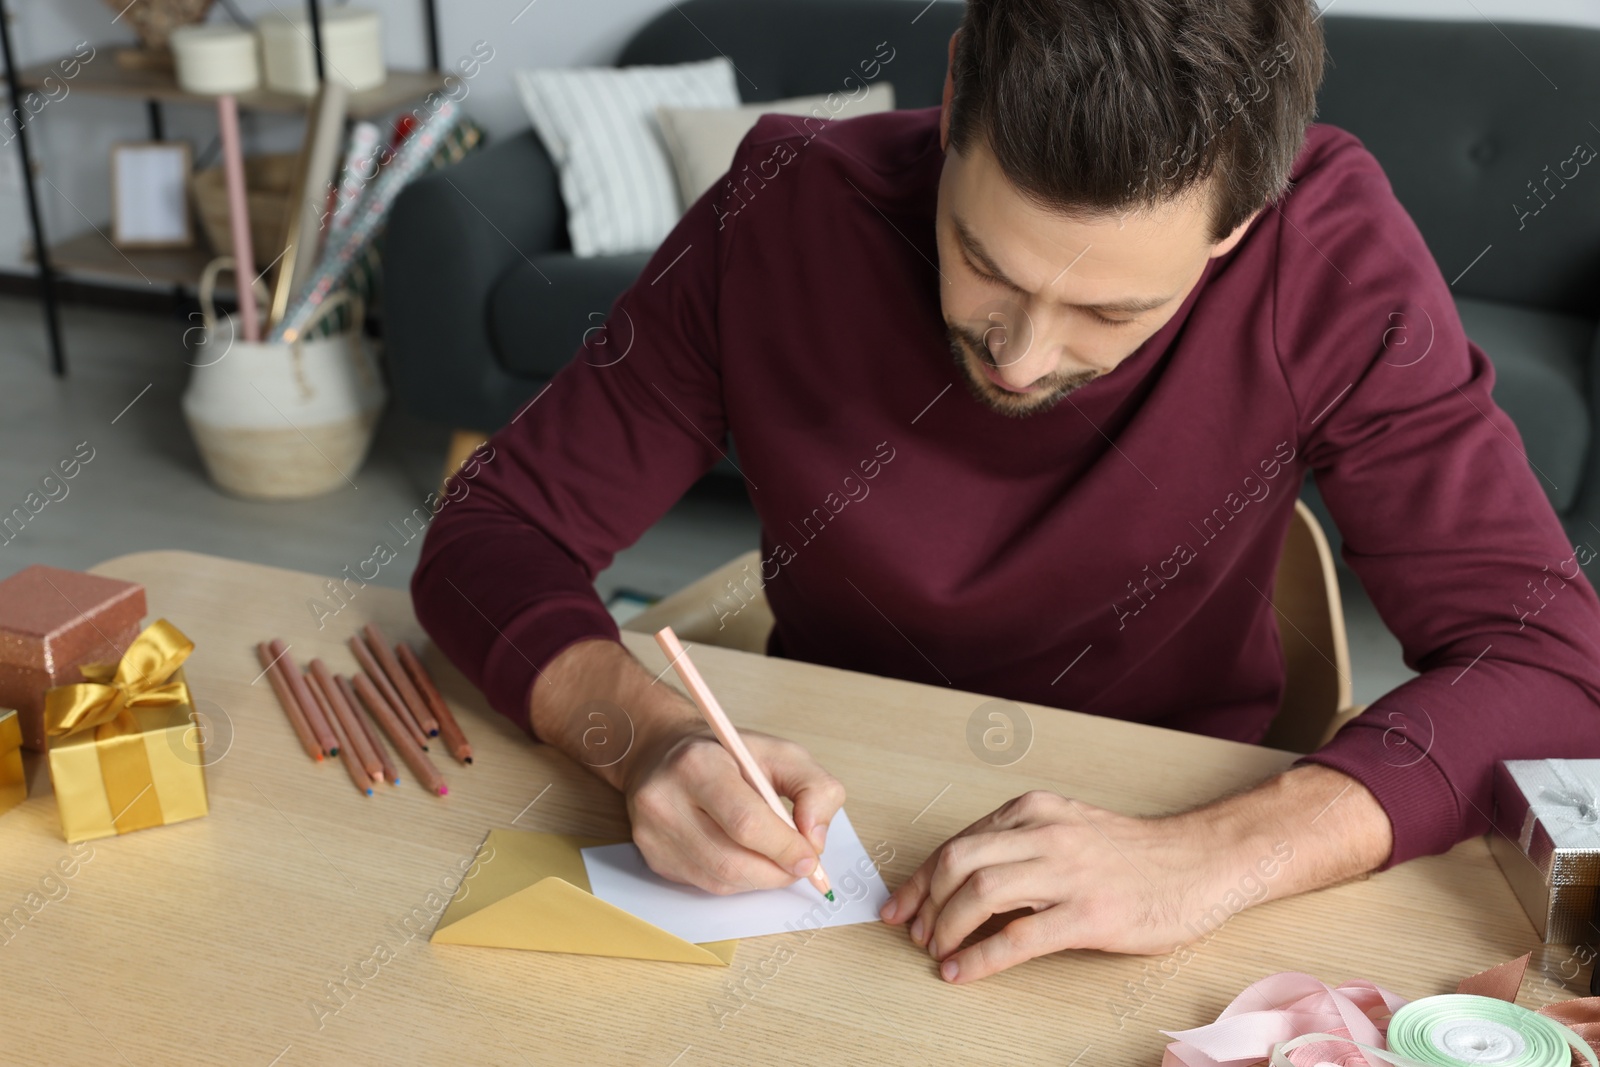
(1096, 107)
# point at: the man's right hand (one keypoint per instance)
(695, 819)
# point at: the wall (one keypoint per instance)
(73, 135)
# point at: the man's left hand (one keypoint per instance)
(1095, 879)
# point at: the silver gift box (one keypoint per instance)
(1547, 841)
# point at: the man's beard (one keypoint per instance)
(966, 345)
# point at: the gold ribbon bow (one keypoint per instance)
(105, 702)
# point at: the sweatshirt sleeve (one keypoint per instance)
(1444, 520)
(505, 579)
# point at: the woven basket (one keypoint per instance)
(282, 464)
(269, 185)
(280, 420)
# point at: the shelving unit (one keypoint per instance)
(106, 79)
(91, 251)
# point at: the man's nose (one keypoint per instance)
(1020, 354)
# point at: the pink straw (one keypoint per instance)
(238, 214)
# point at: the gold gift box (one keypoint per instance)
(13, 782)
(176, 786)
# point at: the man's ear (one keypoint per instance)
(1228, 242)
(949, 91)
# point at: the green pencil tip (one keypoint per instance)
(829, 895)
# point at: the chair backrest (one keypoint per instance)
(1311, 629)
(784, 48)
(728, 609)
(1467, 121)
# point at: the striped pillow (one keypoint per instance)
(599, 126)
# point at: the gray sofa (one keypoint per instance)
(484, 300)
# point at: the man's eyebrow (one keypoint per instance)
(975, 249)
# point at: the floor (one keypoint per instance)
(143, 486)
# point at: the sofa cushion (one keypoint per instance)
(1541, 380)
(541, 308)
(702, 141)
(599, 126)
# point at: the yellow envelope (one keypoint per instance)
(527, 890)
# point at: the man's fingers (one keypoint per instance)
(990, 891)
(684, 844)
(958, 860)
(817, 795)
(1019, 940)
(747, 821)
(908, 899)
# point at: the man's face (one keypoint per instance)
(1039, 304)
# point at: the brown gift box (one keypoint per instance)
(51, 622)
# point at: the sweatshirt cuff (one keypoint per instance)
(1410, 787)
(529, 643)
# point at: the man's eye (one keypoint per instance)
(985, 275)
(1112, 322)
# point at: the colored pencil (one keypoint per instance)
(348, 724)
(291, 706)
(449, 730)
(390, 773)
(723, 728)
(315, 717)
(409, 751)
(381, 681)
(382, 650)
(347, 753)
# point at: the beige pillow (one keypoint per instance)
(701, 141)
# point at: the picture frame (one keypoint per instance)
(150, 195)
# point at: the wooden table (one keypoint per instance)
(212, 941)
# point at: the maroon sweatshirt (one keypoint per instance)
(1113, 555)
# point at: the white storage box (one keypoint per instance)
(352, 49)
(215, 59)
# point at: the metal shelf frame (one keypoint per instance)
(48, 294)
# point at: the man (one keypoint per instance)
(1169, 298)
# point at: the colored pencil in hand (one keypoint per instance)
(291, 706)
(723, 728)
(449, 730)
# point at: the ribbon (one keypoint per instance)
(1359, 1024)
(1282, 1007)
(1561, 798)
(1572, 801)
(104, 703)
(1461, 1030)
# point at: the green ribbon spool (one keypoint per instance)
(1459, 1030)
